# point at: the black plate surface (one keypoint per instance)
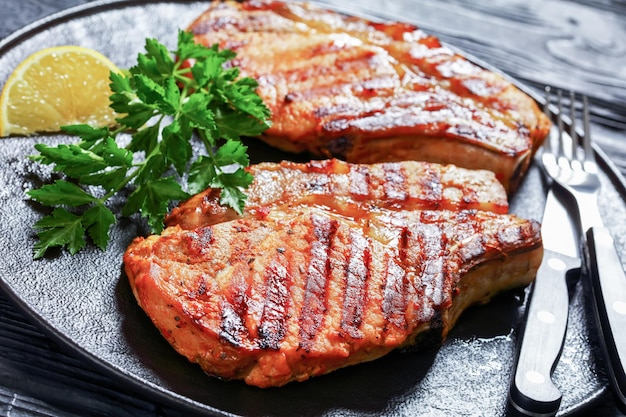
(85, 302)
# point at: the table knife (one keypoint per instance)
(607, 281)
(532, 392)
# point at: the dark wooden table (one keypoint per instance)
(574, 45)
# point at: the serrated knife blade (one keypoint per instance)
(532, 392)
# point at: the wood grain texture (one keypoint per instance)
(573, 45)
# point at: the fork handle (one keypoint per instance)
(608, 284)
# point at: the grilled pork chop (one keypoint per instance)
(305, 291)
(331, 264)
(350, 189)
(364, 91)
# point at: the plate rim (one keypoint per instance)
(158, 393)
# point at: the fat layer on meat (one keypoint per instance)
(351, 189)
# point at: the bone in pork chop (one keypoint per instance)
(301, 286)
(363, 91)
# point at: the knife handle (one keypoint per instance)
(608, 284)
(532, 392)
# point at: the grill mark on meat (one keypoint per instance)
(357, 278)
(320, 184)
(477, 246)
(360, 181)
(396, 291)
(316, 287)
(338, 147)
(200, 239)
(395, 182)
(427, 245)
(232, 327)
(333, 69)
(272, 329)
(326, 69)
(235, 307)
(431, 181)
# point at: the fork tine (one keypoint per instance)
(547, 144)
(572, 131)
(559, 122)
(549, 149)
(589, 157)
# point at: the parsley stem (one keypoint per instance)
(207, 144)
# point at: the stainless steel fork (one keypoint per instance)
(574, 168)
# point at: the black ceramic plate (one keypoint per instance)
(84, 301)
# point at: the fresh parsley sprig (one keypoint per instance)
(163, 99)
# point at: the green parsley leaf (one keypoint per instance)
(98, 220)
(232, 152)
(157, 61)
(151, 199)
(196, 112)
(147, 140)
(233, 197)
(109, 180)
(61, 228)
(87, 133)
(73, 160)
(175, 146)
(161, 101)
(153, 94)
(61, 193)
(201, 174)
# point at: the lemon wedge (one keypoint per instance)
(57, 86)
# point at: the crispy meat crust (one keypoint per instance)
(331, 264)
(300, 293)
(351, 189)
